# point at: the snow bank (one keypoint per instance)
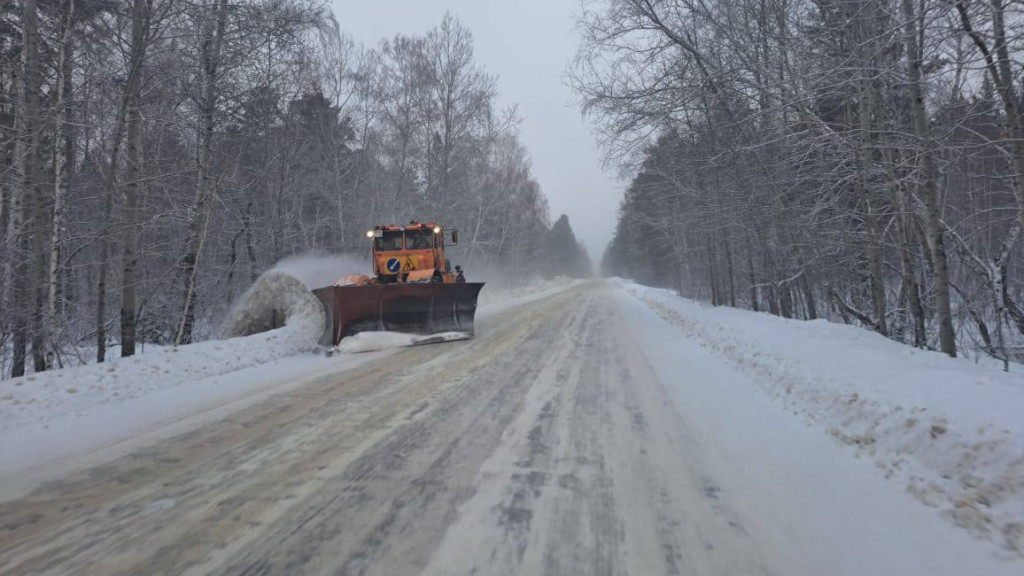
(276, 318)
(949, 430)
(60, 395)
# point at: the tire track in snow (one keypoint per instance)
(592, 478)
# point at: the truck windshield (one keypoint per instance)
(391, 240)
(419, 239)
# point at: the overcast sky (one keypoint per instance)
(527, 44)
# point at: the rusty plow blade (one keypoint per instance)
(429, 309)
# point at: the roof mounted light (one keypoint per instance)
(437, 229)
(369, 233)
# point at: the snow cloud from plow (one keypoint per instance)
(281, 298)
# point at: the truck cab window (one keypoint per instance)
(389, 241)
(419, 239)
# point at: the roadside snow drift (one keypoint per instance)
(62, 395)
(949, 430)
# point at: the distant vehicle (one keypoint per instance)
(414, 288)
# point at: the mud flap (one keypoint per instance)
(407, 308)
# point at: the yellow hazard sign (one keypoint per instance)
(408, 264)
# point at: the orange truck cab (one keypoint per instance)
(414, 289)
(413, 254)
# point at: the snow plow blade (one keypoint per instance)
(408, 308)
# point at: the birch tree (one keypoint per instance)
(177, 150)
(829, 159)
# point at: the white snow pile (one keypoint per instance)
(61, 395)
(950, 430)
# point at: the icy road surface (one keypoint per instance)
(576, 434)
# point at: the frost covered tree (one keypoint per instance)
(850, 159)
(158, 155)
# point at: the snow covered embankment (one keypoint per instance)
(62, 395)
(949, 430)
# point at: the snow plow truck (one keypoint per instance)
(414, 288)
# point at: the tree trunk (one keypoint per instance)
(7, 157)
(130, 200)
(872, 245)
(729, 271)
(808, 292)
(786, 301)
(36, 225)
(33, 186)
(195, 237)
(904, 233)
(771, 295)
(26, 216)
(876, 280)
(250, 246)
(110, 182)
(943, 311)
(753, 278)
(63, 151)
(806, 289)
(715, 300)
(16, 234)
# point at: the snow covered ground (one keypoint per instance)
(948, 430)
(48, 416)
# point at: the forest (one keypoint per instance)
(156, 156)
(855, 160)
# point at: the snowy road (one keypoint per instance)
(577, 434)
